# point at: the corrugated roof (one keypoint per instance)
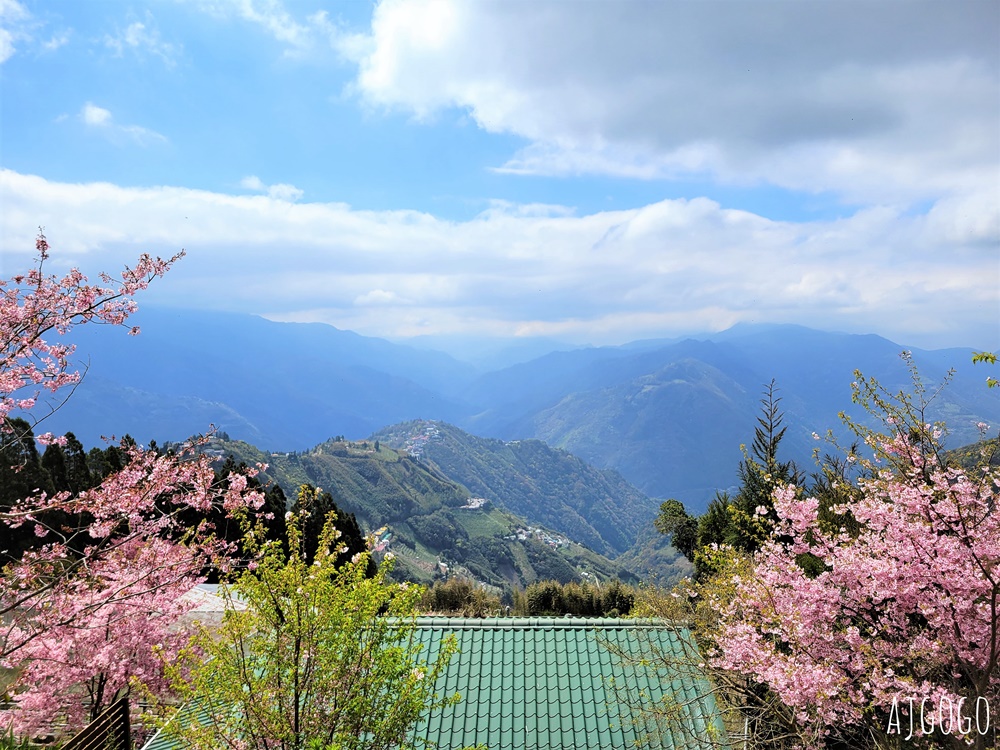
(554, 683)
(558, 684)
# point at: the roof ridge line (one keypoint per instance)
(494, 623)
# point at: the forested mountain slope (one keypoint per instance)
(425, 518)
(527, 477)
(671, 416)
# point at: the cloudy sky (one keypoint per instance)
(591, 171)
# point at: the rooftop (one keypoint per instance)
(557, 683)
(561, 683)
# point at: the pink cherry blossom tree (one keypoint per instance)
(876, 622)
(83, 610)
(101, 635)
(35, 304)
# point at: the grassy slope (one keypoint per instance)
(527, 477)
(423, 511)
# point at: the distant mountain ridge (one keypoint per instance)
(669, 415)
(672, 418)
(283, 386)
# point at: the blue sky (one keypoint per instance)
(595, 172)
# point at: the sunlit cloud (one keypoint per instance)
(279, 191)
(668, 268)
(816, 97)
(14, 19)
(101, 120)
(300, 37)
(57, 40)
(142, 38)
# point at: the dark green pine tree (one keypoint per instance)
(713, 525)
(674, 520)
(77, 470)
(735, 520)
(272, 515)
(102, 463)
(54, 462)
(21, 470)
(760, 473)
(21, 475)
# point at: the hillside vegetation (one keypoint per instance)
(431, 524)
(527, 477)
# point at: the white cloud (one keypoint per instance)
(378, 297)
(272, 17)
(6, 45)
(14, 19)
(18, 25)
(253, 182)
(668, 268)
(60, 39)
(312, 35)
(102, 120)
(142, 38)
(94, 115)
(280, 191)
(897, 103)
(284, 192)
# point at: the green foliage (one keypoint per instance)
(713, 525)
(9, 742)
(548, 564)
(459, 596)
(752, 510)
(309, 656)
(438, 529)
(983, 453)
(653, 558)
(695, 603)
(753, 713)
(313, 507)
(896, 412)
(742, 522)
(423, 512)
(674, 520)
(548, 598)
(24, 473)
(21, 469)
(988, 358)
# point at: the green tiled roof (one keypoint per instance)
(554, 683)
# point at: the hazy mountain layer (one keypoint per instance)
(668, 415)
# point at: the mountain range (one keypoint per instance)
(668, 415)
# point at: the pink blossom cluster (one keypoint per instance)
(93, 617)
(908, 608)
(101, 634)
(34, 304)
(87, 608)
